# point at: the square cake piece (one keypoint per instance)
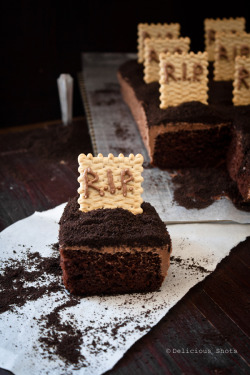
(110, 251)
(191, 134)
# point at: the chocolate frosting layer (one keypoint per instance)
(218, 111)
(111, 227)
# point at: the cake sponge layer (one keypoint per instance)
(109, 251)
(89, 271)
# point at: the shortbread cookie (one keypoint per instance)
(153, 48)
(227, 47)
(241, 83)
(183, 78)
(152, 30)
(228, 25)
(110, 182)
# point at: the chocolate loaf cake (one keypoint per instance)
(188, 135)
(191, 134)
(109, 251)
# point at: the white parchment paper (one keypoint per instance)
(109, 325)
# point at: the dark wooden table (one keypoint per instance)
(207, 332)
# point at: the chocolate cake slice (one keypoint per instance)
(110, 251)
(238, 160)
(188, 135)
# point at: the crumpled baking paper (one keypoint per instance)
(110, 325)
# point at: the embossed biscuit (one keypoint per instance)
(241, 83)
(153, 47)
(110, 182)
(227, 47)
(155, 30)
(211, 26)
(183, 78)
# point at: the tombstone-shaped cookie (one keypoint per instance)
(228, 25)
(227, 47)
(241, 83)
(183, 78)
(152, 49)
(110, 182)
(152, 30)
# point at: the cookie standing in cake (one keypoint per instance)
(182, 124)
(226, 25)
(190, 134)
(178, 126)
(109, 245)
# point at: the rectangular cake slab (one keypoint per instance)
(113, 130)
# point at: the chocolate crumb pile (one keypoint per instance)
(60, 337)
(22, 280)
(13, 289)
(199, 188)
(56, 337)
(111, 227)
(188, 264)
